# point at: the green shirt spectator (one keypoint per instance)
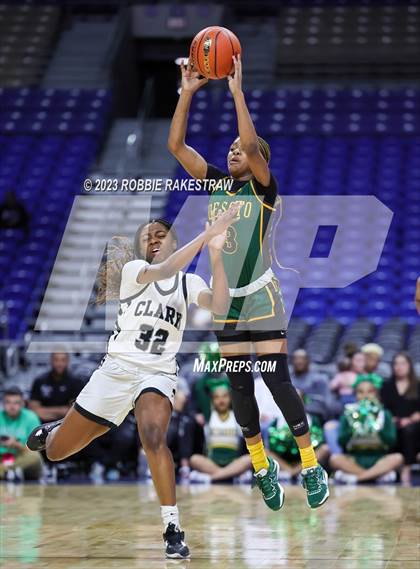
(18, 428)
(16, 424)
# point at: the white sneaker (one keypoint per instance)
(49, 474)
(184, 475)
(199, 477)
(96, 473)
(344, 477)
(387, 478)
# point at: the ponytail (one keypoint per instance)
(120, 251)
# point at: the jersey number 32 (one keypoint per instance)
(151, 340)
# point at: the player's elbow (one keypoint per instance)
(173, 146)
(250, 148)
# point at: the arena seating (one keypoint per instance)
(348, 33)
(370, 149)
(26, 36)
(48, 139)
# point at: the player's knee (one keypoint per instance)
(275, 371)
(153, 437)
(246, 412)
(335, 460)
(398, 459)
(54, 453)
(194, 460)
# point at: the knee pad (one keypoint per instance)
(244, 403)
(276, 376)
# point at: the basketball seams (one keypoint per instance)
(231, 44)
(198, 52)
(196, 60)
(215, 53)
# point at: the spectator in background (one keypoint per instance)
(373, 355)
(343, 381)
(367, 434)
(13, 214)
(185, 436)
(16, 423)
(314, 386)
(209, 353)
(114, 454)
(284, 449)
(225, 459)
(53, 392)
(401, 396)
(417, 295)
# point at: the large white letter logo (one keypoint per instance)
(362, 227)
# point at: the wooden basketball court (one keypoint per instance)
(227, 527)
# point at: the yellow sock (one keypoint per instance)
(308, 458)
(258, 457)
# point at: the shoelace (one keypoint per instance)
(266, 484)
(174, 535)
(313, 482)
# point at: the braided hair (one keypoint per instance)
(121, 250)
(264, 148)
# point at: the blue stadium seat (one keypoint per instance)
(44, 163)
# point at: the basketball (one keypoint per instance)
(212, 50)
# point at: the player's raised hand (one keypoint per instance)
(191, 80)
(217, 243)
(222, 222)
(235, 80)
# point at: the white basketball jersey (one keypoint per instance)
(152, 317)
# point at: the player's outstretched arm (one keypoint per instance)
(184, 256)
(189, 158)
(417, 297)
(217, 299)
(246, 128)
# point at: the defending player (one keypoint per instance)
(140, 371)
(256, 318)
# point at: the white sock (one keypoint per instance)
(169, 515)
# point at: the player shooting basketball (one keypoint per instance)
(140, 371)
(256, 320)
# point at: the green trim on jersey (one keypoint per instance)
(262, 304)
(245, 253)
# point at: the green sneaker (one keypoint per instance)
(315, 482)
(267, 482)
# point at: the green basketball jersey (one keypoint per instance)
(246, 253)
